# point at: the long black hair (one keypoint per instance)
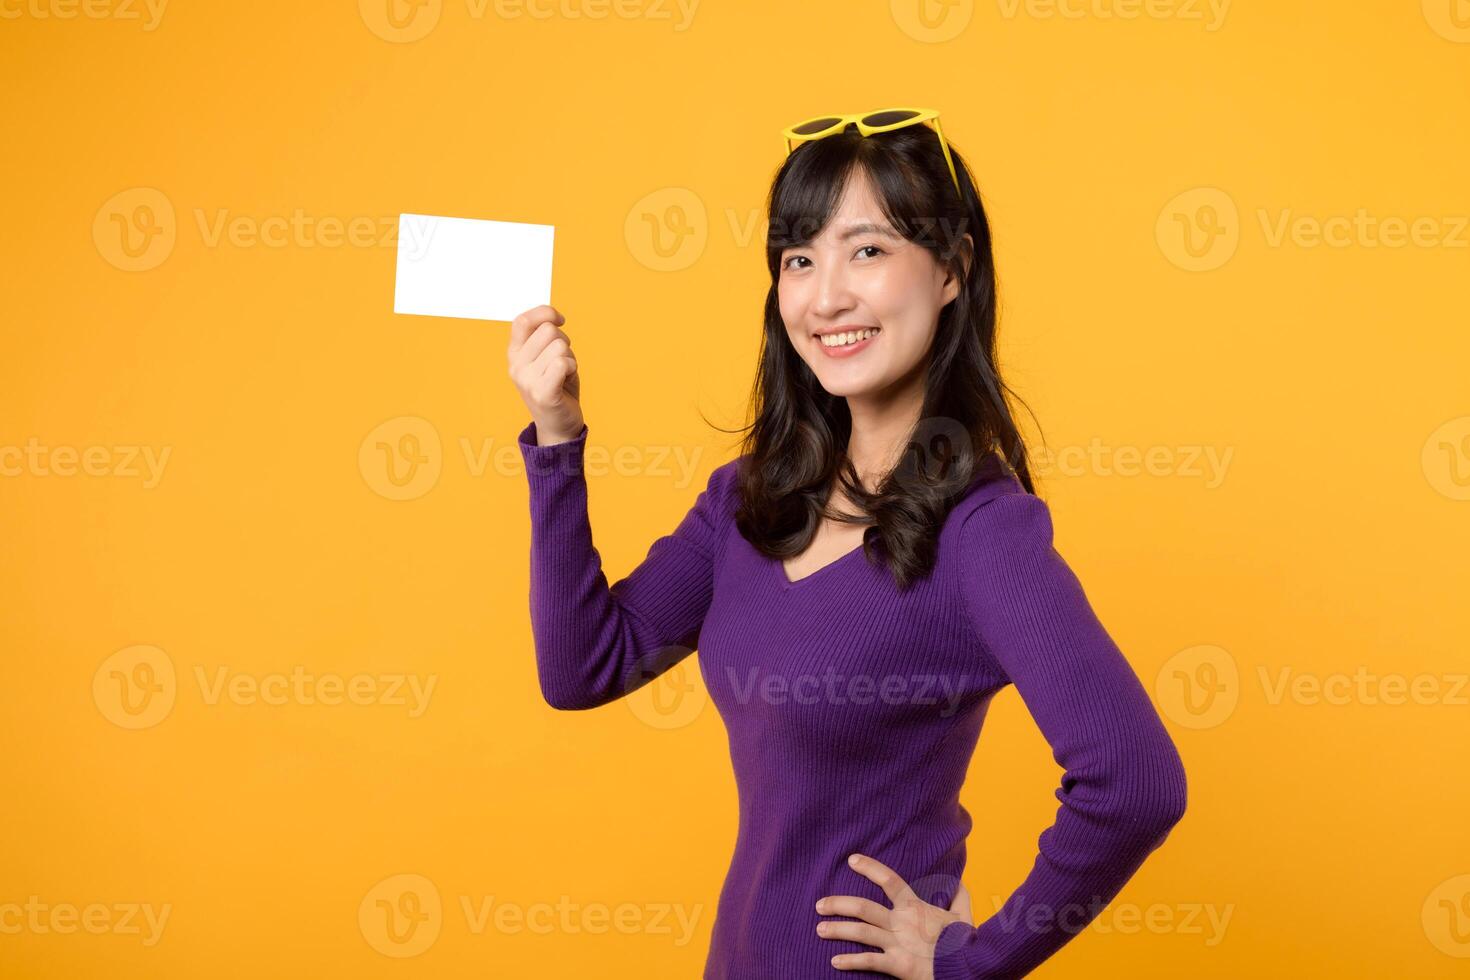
(797, 443)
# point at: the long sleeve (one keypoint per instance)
(1124, 785)
(596, 643)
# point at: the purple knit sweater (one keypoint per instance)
(853, 710)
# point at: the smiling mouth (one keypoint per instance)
(847, 338)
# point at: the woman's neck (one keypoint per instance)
(881, 426)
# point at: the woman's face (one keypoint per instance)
(857, 276)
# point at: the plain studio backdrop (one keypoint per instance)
(268, 670)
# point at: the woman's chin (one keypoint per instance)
(842, 384)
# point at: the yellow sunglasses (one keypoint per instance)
(868, 123)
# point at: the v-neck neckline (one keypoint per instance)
(786, 578)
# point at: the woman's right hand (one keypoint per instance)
(545, 373)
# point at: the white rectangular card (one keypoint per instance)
(471, 268)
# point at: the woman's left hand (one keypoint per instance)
(906, 933)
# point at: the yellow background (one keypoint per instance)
(1331, 834)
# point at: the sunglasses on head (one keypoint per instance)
(868, 123)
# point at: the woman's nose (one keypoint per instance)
(834, 293)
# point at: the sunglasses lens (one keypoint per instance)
(815, 125)
(889, 117)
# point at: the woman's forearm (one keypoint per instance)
(595, 642)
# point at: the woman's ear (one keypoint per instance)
(952, 282)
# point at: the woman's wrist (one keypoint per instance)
(548, 437)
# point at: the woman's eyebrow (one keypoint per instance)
(866, 228)
(853, 231)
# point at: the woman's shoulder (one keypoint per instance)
(724, 480)
(720, 498)
(993, 479)
(996, 507)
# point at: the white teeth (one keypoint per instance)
(843, 339)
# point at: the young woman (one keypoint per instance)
(856, 604)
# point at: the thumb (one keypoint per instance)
(961, 905)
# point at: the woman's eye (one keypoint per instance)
(802, 258)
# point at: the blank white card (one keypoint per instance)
(471, 268)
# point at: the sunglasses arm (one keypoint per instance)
(944, 144)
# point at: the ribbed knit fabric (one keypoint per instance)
(853, 711)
